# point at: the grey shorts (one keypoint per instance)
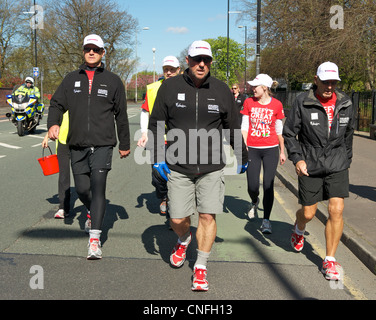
(315, 189)
(186, 193)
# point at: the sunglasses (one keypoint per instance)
(198, 59)
(329, 82)
(95, 50)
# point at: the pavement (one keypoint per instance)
(359, 214)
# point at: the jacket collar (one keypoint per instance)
(189, 80)
(342, 99)
(84, 67)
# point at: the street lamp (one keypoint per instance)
(154, 64)
(245, 57)
(258, 39)
(228, 36)
(145, 28)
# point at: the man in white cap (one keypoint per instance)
(318, 135)
(171, 68)
(95, 100)
(189, 105)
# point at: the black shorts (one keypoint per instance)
(84, 160)
(319, 188)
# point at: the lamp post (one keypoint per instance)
(154, 64)
(245, 57)
(258, 39)
(228, 37)
(145, 28)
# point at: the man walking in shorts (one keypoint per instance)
(196, 108)
(318, 135)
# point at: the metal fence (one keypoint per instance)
(364, 103)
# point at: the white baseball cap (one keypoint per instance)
(199, 48)
(94, 39)
(261, 80)
(328, 71)
(171, 61)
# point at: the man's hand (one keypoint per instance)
(124, 153)
(162, 169)
(301, 168)
(53, 132)
(242, 168)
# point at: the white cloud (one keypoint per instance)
(179, 30)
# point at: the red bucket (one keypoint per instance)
(49, 164)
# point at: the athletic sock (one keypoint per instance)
(185, 239)
(329, 258)
(299, 232)
(202, 259)
(95, 234)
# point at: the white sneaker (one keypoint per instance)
(253, 210)
(266, 226)
(94, 252)
(59, 214)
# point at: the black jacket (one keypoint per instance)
(307, 136)
(91, 116)
(195, 119)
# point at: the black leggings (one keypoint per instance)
(91, 190)
(269, 158)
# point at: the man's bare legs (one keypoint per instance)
(334, 224)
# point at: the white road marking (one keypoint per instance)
(9, 146)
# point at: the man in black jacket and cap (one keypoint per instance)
(95, 99)
(318, 135)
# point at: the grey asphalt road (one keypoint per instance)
(43, 258)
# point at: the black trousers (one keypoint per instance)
(269, 158)
(63, 156)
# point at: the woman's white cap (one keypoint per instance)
(261, 80)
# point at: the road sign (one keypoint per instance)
(36, 72)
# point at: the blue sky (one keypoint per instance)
(175, 24)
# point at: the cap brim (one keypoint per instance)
(329, 78)
(254, 83)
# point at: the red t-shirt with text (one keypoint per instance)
(261, 132)
(329, 106)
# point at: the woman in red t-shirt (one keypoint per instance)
(262, 133)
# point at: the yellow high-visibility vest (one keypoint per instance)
(63, 133)
(152, 90)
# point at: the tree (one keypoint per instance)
(219, 66)
(297, 36)
(11, 23)
(67, 22)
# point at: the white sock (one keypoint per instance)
(185, 239)
(95, 234)
(299, 232)
(329, 258)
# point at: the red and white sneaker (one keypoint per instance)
(178, 254)
(332, 270)
(199, 280)
(94, 250)
(297, 241)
